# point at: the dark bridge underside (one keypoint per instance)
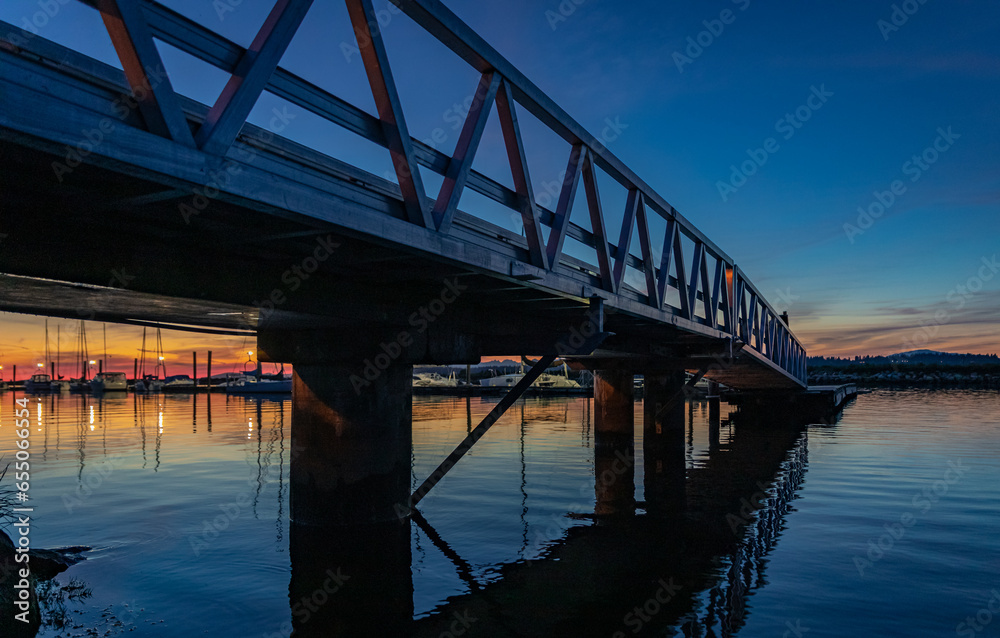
(141, 263)
(107, 241)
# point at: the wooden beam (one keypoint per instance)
(465, 151)
(646, 249)
(230, 111)
(133, 42)
(390, 111)
(717, 292)
(560, 223)
(625, 237)
(597, 224)
(530, 217)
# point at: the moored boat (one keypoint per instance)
(249, 384)
(178, 383)
(434, 380)
(109, 382)
(40, 382)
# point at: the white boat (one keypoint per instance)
(544, 381)
(178, 383)
(60, 385)
(502, 380)
(434, 380)
(555, 382)
(248, 384)
(148, 383)
(109, 382)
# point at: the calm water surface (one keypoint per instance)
(885, 522)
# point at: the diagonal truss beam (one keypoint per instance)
(226, 117)
(390, 111)
(465, 151)
(133, 41)
(560, 223)
(498, 411)
(597, 225)
(625, 238)
(519, 171)
(646, 249)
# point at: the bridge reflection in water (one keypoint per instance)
(549, 527)
(687, 556)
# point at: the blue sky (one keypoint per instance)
(684, 114)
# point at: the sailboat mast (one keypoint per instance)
(142, 354)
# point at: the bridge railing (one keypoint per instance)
(704, 287)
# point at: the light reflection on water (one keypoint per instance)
(185, 500)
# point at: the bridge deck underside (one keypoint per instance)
(110, 239)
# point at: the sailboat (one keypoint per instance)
(81, 384)
(255, 383)
(58, 383)
(149, 382)
(105, 381)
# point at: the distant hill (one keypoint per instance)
(913, 357)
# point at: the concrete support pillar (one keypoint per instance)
(614, 407)
(350, 445)
(614, 443)
(663, 443)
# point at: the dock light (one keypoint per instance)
(41, 365)
(93, 363)
(250, 353)
(161, 359)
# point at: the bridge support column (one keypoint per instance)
(714, 401)
(663, 442)
(614, 443)
(350, 444)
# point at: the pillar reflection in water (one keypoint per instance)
(663, 443)
(349, 483)
(614, 443)
(351, 580)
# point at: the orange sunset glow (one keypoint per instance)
(23, 344)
